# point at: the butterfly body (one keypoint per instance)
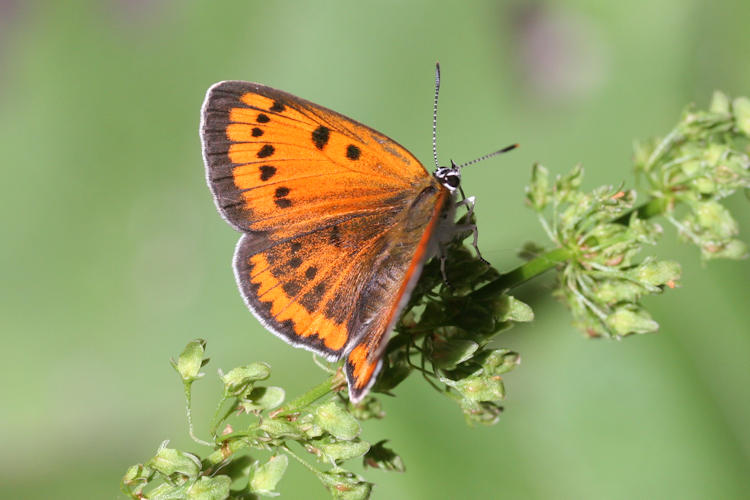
(338, 220)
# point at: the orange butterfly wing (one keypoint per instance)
(337, 220)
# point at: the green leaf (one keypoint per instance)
(499, 361)
(628, 320)
(167, 491)
(741, 110)
(446, 354)
(380, 457)
(566, 186)
(472, 316)
(191, 360)
(732, 249)
(478, 388)
(136, 478)
(391, 377)
(519, 311)
(536, 192)
(210, 488)
(659, 273)
(237, 379)
(613, 290)
(333, 417)
(345, 485)
(719, 102)
(263, 398)
(340, 451)
(278, 428)
(265, 477)
(716, 219)
(169, 462)
(481, 412)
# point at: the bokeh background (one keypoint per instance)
(113, 255)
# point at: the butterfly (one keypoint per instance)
(337, 219)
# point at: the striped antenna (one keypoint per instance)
(499, 151)
(434, 114)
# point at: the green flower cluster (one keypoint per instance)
(325, 428)
(602, 281)
(599, 235)
(702, 161)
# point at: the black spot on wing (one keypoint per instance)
(256, 132)
(277, 107)
(295, 262)
(263, 118)
(311, 272)
(311, 300)
(291, 288)
(320, 137)
(280, 197)
(266, 172)
(266, 151)
(352, 152)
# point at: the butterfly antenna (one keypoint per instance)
(434, 114)
(499, 151)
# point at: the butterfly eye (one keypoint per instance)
(453, 181)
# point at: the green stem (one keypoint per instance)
(531, 269)
(333, 382)
(189, 413)
(652, 208)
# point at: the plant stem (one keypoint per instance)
(533, 268)
(333, 382)
(652, 208)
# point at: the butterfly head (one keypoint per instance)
(450, 177)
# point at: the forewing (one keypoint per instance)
(280, 164)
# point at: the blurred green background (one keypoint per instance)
(113, 255)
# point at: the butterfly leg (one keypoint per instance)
(469, 204)
(443, 258)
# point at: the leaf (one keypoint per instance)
(340, 451)
(446, 354)
(380, 457)
(345, 485)
(263, 398)
(519, 311)
(239, 378)
(169, 461)
(334, 418)
(628, 320)
(210, 488)
(741, 110)
(537, 191)
(191, 360)
(265, 477)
